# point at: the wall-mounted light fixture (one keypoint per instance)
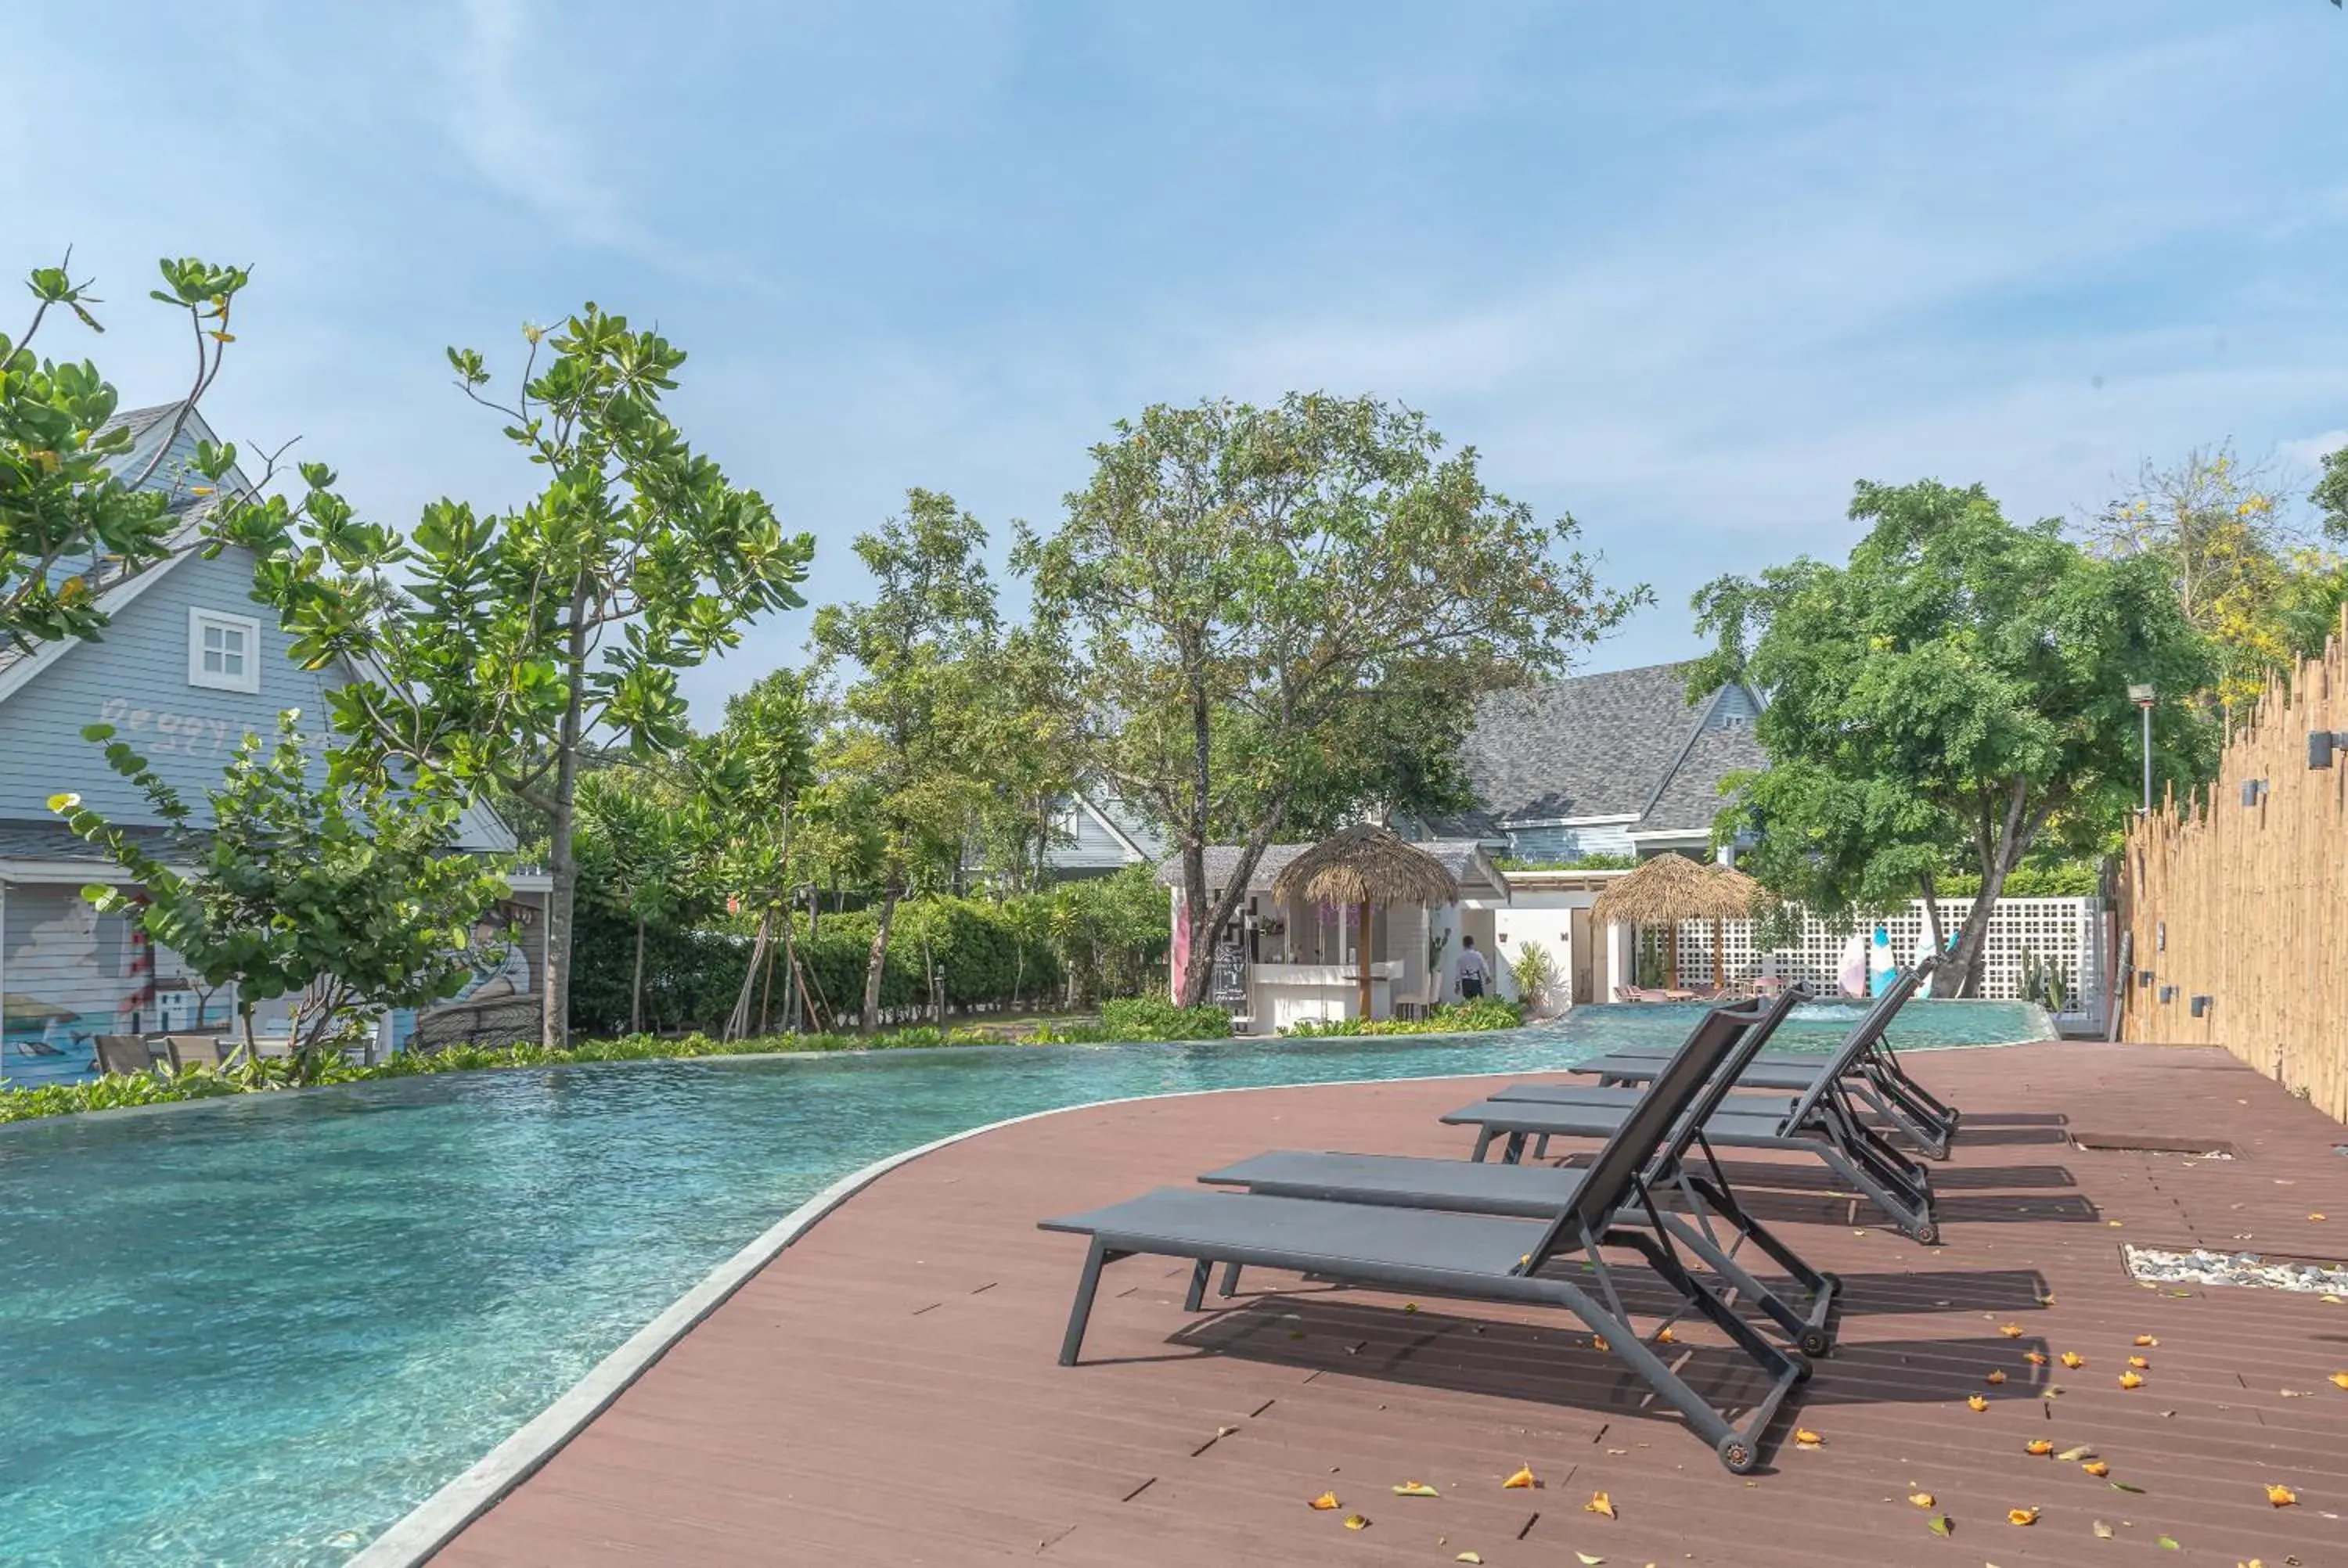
(2254, 792)
(2160, 936)
(2201, 1005)
(2167, 995)
(2144, 978)
(2322, 743)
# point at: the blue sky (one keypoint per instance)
(1688, 272)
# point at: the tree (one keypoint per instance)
(1953, 694)
(2231, 551)
(909, 726)
(489, 649)
(349, 894)
(66, 512)
(754, 778)
(641, 849)
(1287, 614)
(2330, 494)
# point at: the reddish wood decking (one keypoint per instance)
(885, 1391)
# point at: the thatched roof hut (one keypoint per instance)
(1361, 866)
(1366, 864)
(1671, 888)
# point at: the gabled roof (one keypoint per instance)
(1691, 797)
(1623, 746)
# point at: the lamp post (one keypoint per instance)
(2142, 696)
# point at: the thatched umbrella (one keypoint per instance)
(1670, 888)
(1364, 865)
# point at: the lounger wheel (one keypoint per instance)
(1926, 1235)
(1737, 1454)
(1814, 1342)
(1830, 1281)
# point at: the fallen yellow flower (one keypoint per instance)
(1995, 1378)
(2145, 1340)
(1416, 1488)
(2011, 1330)
(1922, 1499)
(2038, 1448)
(1806, 1437)
(2096, 1467)
(1355, 1522)
(2022, 1516)
(2281, 1496)
(2072, 1358)
(2035, 1358)
(1522, 1479)
(1326, 1502)
(1600, 1503)
(1977, 1402)
(2130, 1380)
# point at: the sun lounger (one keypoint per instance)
(122, 1053)
(1873, 1070)
(1478, 1257)
(1820, 1122)
(194, 1050)
(1535, 1192)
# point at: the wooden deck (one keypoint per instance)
(885, 1392)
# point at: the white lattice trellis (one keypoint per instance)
(2066, 934)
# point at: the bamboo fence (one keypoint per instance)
(2235, 900)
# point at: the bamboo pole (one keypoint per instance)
(1361, 956)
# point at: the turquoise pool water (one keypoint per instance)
(258, 1331)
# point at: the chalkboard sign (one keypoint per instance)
(1226, 982)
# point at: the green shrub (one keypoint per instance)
(1452, 1018)
(2074, 880)
(1154, 1018)
(1579, 863)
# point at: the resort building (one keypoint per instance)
(186, 667)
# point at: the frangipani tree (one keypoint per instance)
(65, 505)
(490, 647)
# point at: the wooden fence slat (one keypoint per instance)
(2247, 905)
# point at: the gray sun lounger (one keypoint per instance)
(1820, 1122)
(1873, 1070)
(1535, 1192)
(1479, 1256)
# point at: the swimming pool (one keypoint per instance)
(259, 1330)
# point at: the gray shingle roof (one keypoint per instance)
(1595, 745)
(1458, 855)
(1692, 798)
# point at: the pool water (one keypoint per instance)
(258, 1331)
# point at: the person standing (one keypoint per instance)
(1470, 970)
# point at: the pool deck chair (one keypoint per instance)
(1875, 1075)
(1820, 1122)
(1535, 1192)
(1479, 1256)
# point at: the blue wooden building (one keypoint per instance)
(187, 665)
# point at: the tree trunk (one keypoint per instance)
(562, 862)
(877, 957)
(637, 984)
(1719, 959)
(1960, 977)
(1672, 955)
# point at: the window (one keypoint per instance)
(223, 652)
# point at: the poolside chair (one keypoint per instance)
(1820, 1122)
(1478, 1257)
(1534, 1192)
(1872, 1070)
(194, 1050)
(122, 1053)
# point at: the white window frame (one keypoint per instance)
(199, 621)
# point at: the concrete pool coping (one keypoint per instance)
(261, 1097)
(440, 1518)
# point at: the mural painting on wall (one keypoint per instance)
(73, 974)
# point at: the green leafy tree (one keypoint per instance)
(2234, 554)
(642, 847)
(349, 895)
(910, 723)
(66, 509)
(1285, 615)
(2331, 495)
(490, 647)
(755, 777)
(1955, 693)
